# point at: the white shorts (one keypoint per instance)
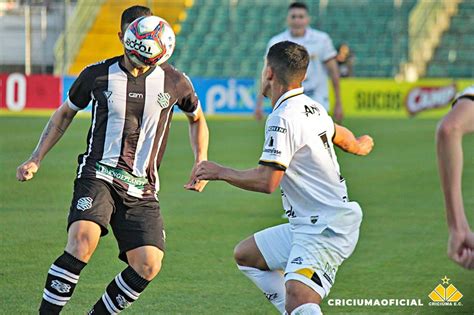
(312, 259)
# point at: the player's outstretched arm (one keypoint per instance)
(264, 179)
(199, 137)
(451, 129)
(345, 139)
(54, 130)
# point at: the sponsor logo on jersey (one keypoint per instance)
(297, 261)
(311, 110)
(277, 129)
(163, 99)
(270, 142)
(445, 294)
(135, 95)
(84, 203)
(272, 151)
(122, 302)
(60, 286)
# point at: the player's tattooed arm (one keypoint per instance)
(345, 139)
(54, 130)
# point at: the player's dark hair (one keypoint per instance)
(131, 14)
(298, 5)
(289, 61)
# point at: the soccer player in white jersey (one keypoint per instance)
(451, 130)
(322, 59)
(298, 155)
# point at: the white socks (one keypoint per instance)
(271, 283)
(307, 309)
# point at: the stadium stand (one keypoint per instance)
(101, 42)
(454, 55)
(221, 38)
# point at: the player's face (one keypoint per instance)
(265, 81)
(297, 19)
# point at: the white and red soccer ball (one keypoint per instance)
(149, 41)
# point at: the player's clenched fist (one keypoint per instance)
(27, 170)
(208, 171)
(461, 248)
(366, 143)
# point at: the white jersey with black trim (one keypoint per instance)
(321, 49)
(466, 93)
(298, 140)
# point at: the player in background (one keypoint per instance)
(117, 177)
(298, 155)
(322, 59)
(451, 130)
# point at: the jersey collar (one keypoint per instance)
(287, 95)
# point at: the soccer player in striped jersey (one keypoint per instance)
(457, 123)
(117, 177)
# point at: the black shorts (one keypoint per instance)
(135, 222)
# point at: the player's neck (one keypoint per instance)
(132, 69)
(279, 90)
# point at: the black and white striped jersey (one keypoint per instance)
(130, 122)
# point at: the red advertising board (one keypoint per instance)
(18, 91)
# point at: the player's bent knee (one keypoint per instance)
(246, 253)
(146, 261)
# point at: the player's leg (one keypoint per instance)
(262, 257)
(89, 208)
(312, 266)
(138, 227)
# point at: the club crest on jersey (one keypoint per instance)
(163, 99)
(60, 286)
(84, 203)
(314, 218)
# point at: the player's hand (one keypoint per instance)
(194, 184)
(338, 113)
(461, 248)
(27, 170)
(208, 171)
(366, 143)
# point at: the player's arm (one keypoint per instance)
(458, 122)
(189, 103)
(54, 130)
(264, 179)
(199, 137)
(333, 71)
(345, 139)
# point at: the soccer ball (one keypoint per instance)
(149, 41)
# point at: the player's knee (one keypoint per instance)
(147, 269)
(241, 256)
(81, 246)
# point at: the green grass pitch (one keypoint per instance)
(401, 251)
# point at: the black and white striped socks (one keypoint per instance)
(120, 293)
(60, 283)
